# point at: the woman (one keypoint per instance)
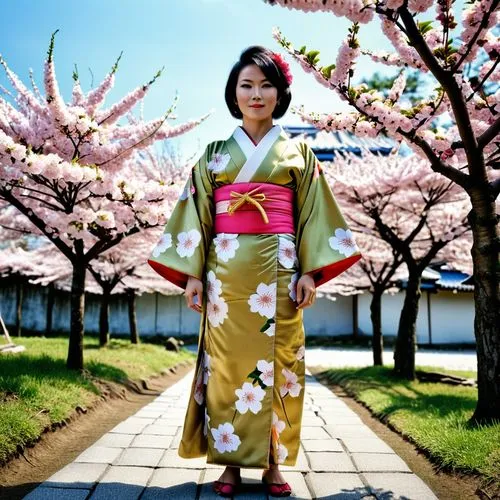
(255, 231)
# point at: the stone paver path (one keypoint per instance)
(340, 458)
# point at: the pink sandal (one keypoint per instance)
(226, 489)
(277, 489)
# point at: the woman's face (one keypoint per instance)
(255, 94)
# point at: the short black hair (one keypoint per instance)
(262, 57)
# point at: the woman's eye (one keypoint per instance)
(245, 85)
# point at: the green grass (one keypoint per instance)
(432, 415)
(37, 390)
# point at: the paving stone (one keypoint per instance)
(76, 475)
(148, 414)
(125, 483)
(336, 486)
(151, 441)
(99, 455)
(146, 457)
(313, 433)
(341, 419)
(43, 493)
(161, 430)
(301, 464)
(115, 440)
(366, 445)
(374, 462)
(172, 459)
(389, 486)
(330, 462)
(132, 425)
(172, 484)
(177, 439)
(346, 431)
(299, 487)
(313, 422)
(145, 448)
(127, 475)
(322, 445)
(331, 414)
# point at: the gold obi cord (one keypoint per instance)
(248, 197)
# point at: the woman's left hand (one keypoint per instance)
(306, 291)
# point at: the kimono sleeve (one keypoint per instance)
(325, 244)
(182, 250)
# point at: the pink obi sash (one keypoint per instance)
(254, 208)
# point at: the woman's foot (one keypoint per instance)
(228, 482)
(276, 483)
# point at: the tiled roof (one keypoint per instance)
(328, 144)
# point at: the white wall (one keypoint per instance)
(452, 314)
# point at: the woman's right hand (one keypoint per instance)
(194, 288)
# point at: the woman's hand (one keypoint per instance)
(194, 288)
(306, 291)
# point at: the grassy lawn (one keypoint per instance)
(37, 390)
(432, 415)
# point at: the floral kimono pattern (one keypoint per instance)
(247, 394)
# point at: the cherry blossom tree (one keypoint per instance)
(466, 151)
(69, 169)
(415, 211)
(377, 272)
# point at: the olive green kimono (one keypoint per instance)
(246, 400)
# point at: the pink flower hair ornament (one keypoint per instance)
(283, 66)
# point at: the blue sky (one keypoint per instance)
(196, 40)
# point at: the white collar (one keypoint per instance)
(254, 154)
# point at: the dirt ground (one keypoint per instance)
(60, 447)
(446, 485)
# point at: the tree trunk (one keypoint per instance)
(404, 353)
(104, 317)
(134, 336)
(376, 317)
(50, 309)
(355, 316)
(19, 305)
(75, 350)
(487, 306)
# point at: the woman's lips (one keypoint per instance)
(256, 106)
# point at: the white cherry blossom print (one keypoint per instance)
(199, 389)
(271, 330)
(218, 162)
(217, 311)
(187, 242)
(225, 438)
(287, 255)
(164, 243)
(250, 398)
(301, 351)
(207, 423)
(291, 386)
(282, 453)
(214, 287)
(226, 245)
(264, 301)
(293, 287)
(206, 367)
(267, 369)
(343, 242)
(278, 424)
